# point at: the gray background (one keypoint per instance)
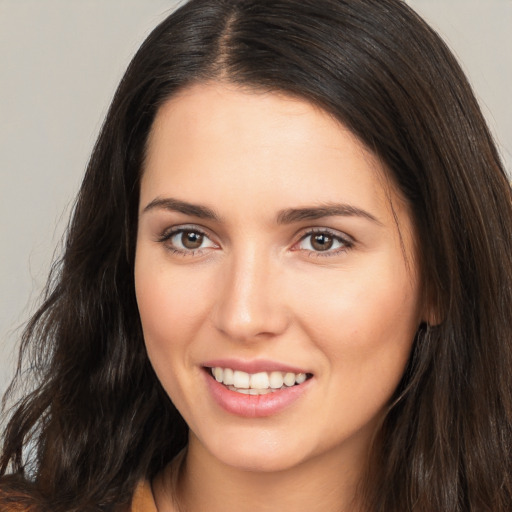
(60, 62)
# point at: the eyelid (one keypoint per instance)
(172, 230)
(168, 233)
(322, 229)
(347, 241)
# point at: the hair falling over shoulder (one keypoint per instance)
(97, 421)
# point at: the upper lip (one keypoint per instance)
(254, 366)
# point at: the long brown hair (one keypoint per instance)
(98, 420)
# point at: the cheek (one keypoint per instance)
(165, 315)
(365, 325)
(170, 303)
(167, 322)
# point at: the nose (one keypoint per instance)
(251, 302)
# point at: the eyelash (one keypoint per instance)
(167, 236)
(345, 241)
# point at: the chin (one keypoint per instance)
(260, 462)
(262, 453)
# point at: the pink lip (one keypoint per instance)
(254, 406)
(255, 366)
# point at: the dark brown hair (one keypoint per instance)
(98, 420)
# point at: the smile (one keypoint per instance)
(260, 383)
(257, 388)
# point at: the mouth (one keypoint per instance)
(260, 383)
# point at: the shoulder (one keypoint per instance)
(143, 500)
(15, 497)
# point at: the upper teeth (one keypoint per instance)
(261, 380)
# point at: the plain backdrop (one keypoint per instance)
(60, 62)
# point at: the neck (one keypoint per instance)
(327, 483)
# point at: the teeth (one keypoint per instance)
(218, 373)
(300, 378)
(228, 379)
(276, 380)
(252, 391)
(259, 380)
(256, 383)
(241, 379)
(289, 379)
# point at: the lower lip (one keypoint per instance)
(255, 406)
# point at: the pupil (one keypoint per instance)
(322, 242)
(191, 239)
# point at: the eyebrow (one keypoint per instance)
(291, 215)
(175, 205)
(287, 216)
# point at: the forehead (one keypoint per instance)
(211, 139)
(251, 157)
(222, 129)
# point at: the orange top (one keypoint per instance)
(143, 500)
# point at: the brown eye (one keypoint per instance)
(188, 241)
(192, 239)
(325, 242)
(322, 242)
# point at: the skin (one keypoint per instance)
(257, 288)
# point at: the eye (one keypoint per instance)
(187, 240)
(324, 241)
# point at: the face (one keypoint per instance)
(275, 277)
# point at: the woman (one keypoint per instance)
(286, 283)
